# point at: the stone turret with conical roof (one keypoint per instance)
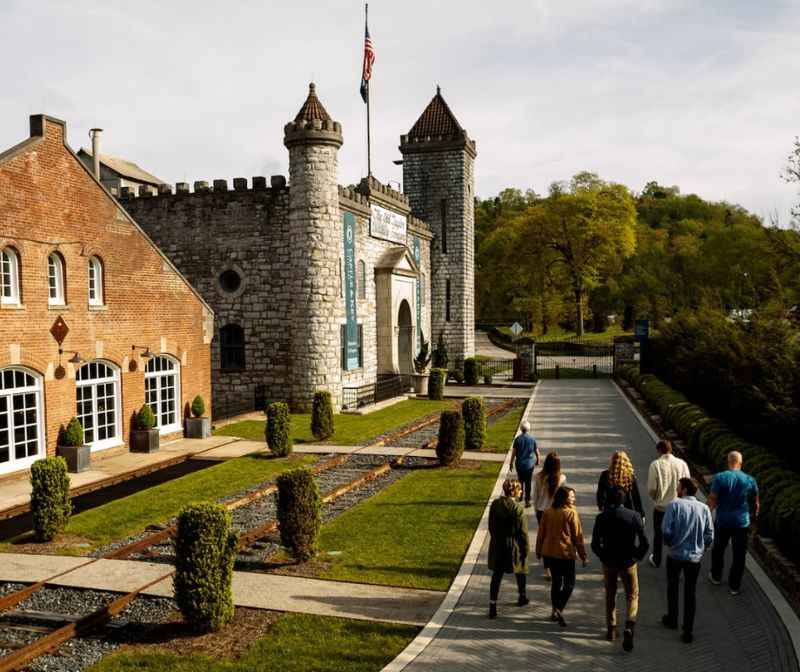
(439, 180)
(313, 140)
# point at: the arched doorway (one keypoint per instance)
(405, 337)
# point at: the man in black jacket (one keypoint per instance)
(618, 539)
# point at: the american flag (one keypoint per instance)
(369, 59)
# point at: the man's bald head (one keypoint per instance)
(734, 460)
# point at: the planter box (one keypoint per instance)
(420, 383)
(198, 428)
(78, 457)
(145, 440)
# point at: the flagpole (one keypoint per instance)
(369, 134)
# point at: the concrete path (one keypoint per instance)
(250, 589)
(15, 492)
(323, 449)
(585, 421)
(485, 347)
(510, 390)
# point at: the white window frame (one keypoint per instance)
(155, 385)
(55, 280)
(14, 464)
(91, 385)
(9, 277)
(95, 282)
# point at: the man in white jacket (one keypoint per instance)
(662, 485)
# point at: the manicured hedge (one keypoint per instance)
(474, 412)
(709, 441)
(322, 416)
(50, 503)
(205, 549)
(471, 371)
(299, 517)
(450, 444)
(278, 431)
(436, 382)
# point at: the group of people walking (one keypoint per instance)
(619, 540)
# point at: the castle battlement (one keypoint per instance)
(277, 183)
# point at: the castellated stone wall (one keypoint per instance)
(440, 184)
(246, 230)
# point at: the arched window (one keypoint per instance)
(96, 282)
(55, 279)
(97, 391)
(21, 432)
(9, 276)
(231, 348)
(362, 279)
(162, 390)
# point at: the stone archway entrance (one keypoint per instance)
(405, 338)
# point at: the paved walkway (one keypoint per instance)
(17, 491)
(585, 421)
(250, 589)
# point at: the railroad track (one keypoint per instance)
(60, 628)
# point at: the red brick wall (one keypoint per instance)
(48, 201)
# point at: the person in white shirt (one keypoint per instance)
(662, 485)
(545, 485)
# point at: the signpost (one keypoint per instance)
(351, 328)
(516, 329)
(387, 225)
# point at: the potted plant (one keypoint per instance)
(487, 378)
(72, 448)
(421, 362)
(198, 426)
(144, 437)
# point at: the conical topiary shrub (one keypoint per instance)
(299, 517)
(474, 412)
(322, 416)
(50, 503)
(450, 444)
(278, 430)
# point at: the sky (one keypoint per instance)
(687, 93)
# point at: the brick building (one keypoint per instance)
(137, 331)
(319, 286)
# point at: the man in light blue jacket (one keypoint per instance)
(688, 530)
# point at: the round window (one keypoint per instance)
(230, 281)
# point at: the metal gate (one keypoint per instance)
(574, 358)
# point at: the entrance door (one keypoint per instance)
(21, 435)
(405, 336)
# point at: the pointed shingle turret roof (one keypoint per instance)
(437, 120)
(312, 109)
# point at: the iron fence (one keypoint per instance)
(386, 387)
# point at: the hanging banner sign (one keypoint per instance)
(416, 250)
(351, 328)
(387, 225)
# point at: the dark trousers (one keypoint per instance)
(691, 570)
(525, 476)
(658, 536)
(722, 535)
(563, 582)
(497, 578)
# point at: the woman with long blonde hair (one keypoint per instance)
(620, 474)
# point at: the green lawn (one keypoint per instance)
(126, 516)
(561, 335)
(295, 643)
(501, 433)
(351, 430)
(414, 533)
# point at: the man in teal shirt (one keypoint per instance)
(525, 456)
(733, 494)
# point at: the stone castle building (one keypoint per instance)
(319, 286)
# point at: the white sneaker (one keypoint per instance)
(652, 561)
(734, 592)
(713, 580)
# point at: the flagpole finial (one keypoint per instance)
(312, 87)
(438, 90)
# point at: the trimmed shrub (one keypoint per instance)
(439, 357)
(436, 384)
(471, 371)
(72, 435)
(456, 375)
(145, 419)
(198, 406)
(450, 444)
(299, 518)
(278, 431)
(50, 503)
(474, 413)
(322, 415)
(205, 549)
(487, 378)
(423, 357)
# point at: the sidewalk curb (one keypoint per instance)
(453, 596)
(784, 610)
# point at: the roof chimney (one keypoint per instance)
(94, 134)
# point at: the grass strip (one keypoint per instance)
(412, 534)
(351, 430)
(295, 643)
(126, 516)
(500, 433)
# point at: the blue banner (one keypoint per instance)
(351, 330)
(417, 252)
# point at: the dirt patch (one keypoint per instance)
(174, 636)
(64, 544)
(281, 563)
